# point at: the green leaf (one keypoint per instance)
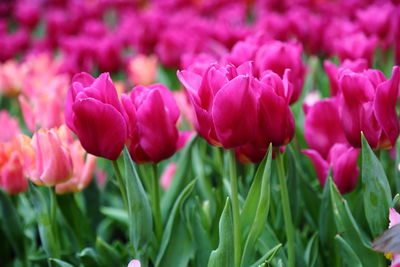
(172, 221)
(312, 253)
(223, 256)
(108, 255)
(377, 195)
(116, 214)
(349, 257)
(11, 224)
(59, 263)
(75, 218)
(260, 216)
(178, 182)
(139, 211)
(88, 257)
(268, 257)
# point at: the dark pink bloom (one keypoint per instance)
(278, 56)
(369, 105)
(250, 153)
(94, 113)
(343, 161)
(224, 103)
(333, 71)
(153, 113)
(322, 127)
(355, 46)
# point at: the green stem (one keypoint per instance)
(121, 183)
(235, 207)
(286, 208)
(53, 221)
(155, 200)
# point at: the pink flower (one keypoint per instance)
(343, 160)
(322, 126)
(394, 218)
(168, 175)
(369, 105)
(142, 69)
(90, 103)
(53, 164)
(9, 126)
(153, 113)
(134, 263)
(277, 57)
(83, 168)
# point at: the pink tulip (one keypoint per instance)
(134, 263)
(224, 103)
(142, 69)
(9, 126)
(322, 127)
(333, 71)
(343, 160)
(278, 56)
(168, 175)
(355, 46)
(311, 98)
(94, 113)
(250, 153)
(153, 114)
(83, 168)
(369, 105)
(12, 177)
(394, 218)
(53, 164)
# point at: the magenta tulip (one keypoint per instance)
(278, 56)
(322, 127)
(153, 113)
(224, 102)
(343, 160)
(94, 113)
(369, 105)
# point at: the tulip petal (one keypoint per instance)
(105, 137)
(158, 134)
(321, 166)
(234, 112)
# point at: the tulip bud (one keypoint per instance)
(152, 113)
(53, 162)
(343, 160)
(93, 112)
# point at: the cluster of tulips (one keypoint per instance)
(256, 133)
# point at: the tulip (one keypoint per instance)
(224, 103)
(333, 71)
(12, 177)
(152, 113)
(53, 164)
(134, 263)
(278, 56)
(250, 153)
(322, 127)
(83, 169)
(311, 98)
(9, 125)
(394, 219)
(355, 46)
(343, 160)
(93, 112)
(369, 105)
(142, 69)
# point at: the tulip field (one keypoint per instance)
(220, 133)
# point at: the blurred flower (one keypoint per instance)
(134, 263)
(343, 160)
(322, 126)
(152, 113)
(12, 175)
(12, 76)
(83, 168)
(142, 69)
(355, 46)
(91, 102)
(369, 105)
(53, 164)
(187, 116)
(9, 125)
(310, 99)
(277, 57)
(168, 175)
